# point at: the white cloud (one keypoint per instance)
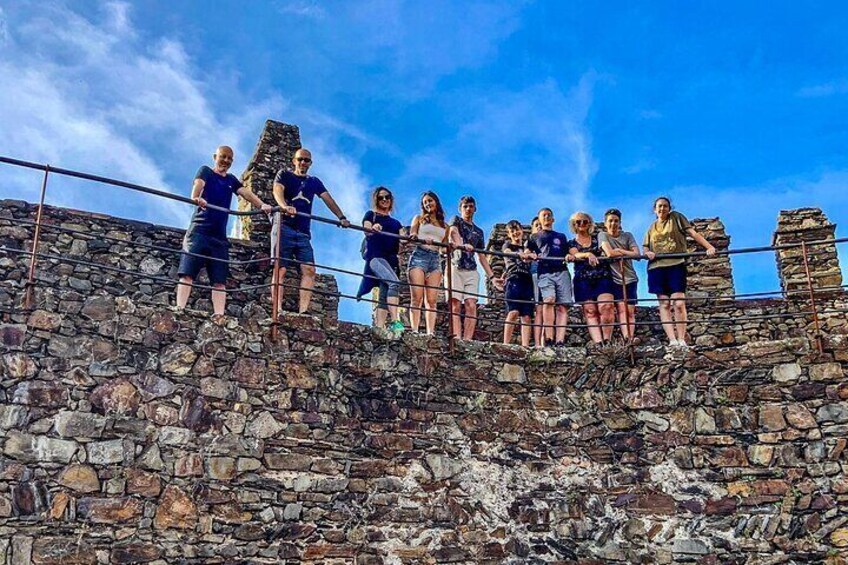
(302, 8)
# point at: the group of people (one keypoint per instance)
(537, 285)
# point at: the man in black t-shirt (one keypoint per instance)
(294, 191)
(207, 234)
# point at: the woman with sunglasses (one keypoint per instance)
(381, 258)
(425, 270)
(592, 278)
(667, 275)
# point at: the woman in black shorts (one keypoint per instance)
(592, 278)
(518, 284)
(667, 275)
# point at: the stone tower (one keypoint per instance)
(275, 149)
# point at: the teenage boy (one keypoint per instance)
(551, 247)
(465, 280)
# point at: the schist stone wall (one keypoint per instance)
(115, 243)
(134, 434)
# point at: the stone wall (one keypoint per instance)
(132, 434)
(77, 282)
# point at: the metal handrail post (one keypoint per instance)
(813, 307)
(449, 287)
(275, 278)
(35, 241)
(626, 311)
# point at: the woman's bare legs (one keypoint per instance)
(433, 281)
(416, 293)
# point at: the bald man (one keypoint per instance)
(207, 234)
(294, 192)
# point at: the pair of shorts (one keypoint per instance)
(464, 284)
(295, 246)
(556, 286)
(586, 290)
(518, 293)
(667, 280)
(217, 251)
(425, 259)
(618, 292)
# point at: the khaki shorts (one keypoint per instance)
(464, 284)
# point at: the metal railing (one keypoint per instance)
(276, 285)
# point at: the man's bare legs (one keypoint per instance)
(561, 322)
(183, 291)
(470, 324)
(455, 318)
(219, 299)
(307, 283)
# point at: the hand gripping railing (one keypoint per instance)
(276, 284)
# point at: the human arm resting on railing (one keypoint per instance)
(280, 197)
(701, 241)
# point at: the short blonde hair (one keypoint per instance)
(572, 222)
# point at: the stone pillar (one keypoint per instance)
(709, 276)
(806, 224)
(275, 149)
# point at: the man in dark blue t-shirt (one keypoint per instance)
(294, 191)
(205, 243)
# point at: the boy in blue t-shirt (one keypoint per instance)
(554, 278)
(205, 243)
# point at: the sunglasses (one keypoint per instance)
(303, 159)
(384, 197)
(582, 222)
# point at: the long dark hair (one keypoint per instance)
(374, 194)
(438, 215)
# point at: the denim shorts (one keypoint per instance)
(295, 247)
(667, 280)
(217, 268)
(556, 286)
(518, 293)
(586, 290)
(424, 259)
(389, 284)
(618, 292)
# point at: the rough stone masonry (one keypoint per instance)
(133, 434)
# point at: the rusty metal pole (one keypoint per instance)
(819, 345)
(35, 240)
(275, 279)
(449, 287)
(626, 311)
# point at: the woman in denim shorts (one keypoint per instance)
(592, 278)
(425, 271)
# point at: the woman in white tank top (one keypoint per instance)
(424, 272)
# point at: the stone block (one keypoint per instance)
(110, 510)
(176, 510)
(81, 478)
(78, 424)
(38, 449)
(109, 452)
(118, 396)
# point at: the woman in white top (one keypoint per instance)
(424, 272)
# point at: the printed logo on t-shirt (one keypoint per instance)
(556, 241)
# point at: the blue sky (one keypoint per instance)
(735, 110)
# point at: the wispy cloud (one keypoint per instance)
(539, 136)
(302, 8)
(824, 89)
